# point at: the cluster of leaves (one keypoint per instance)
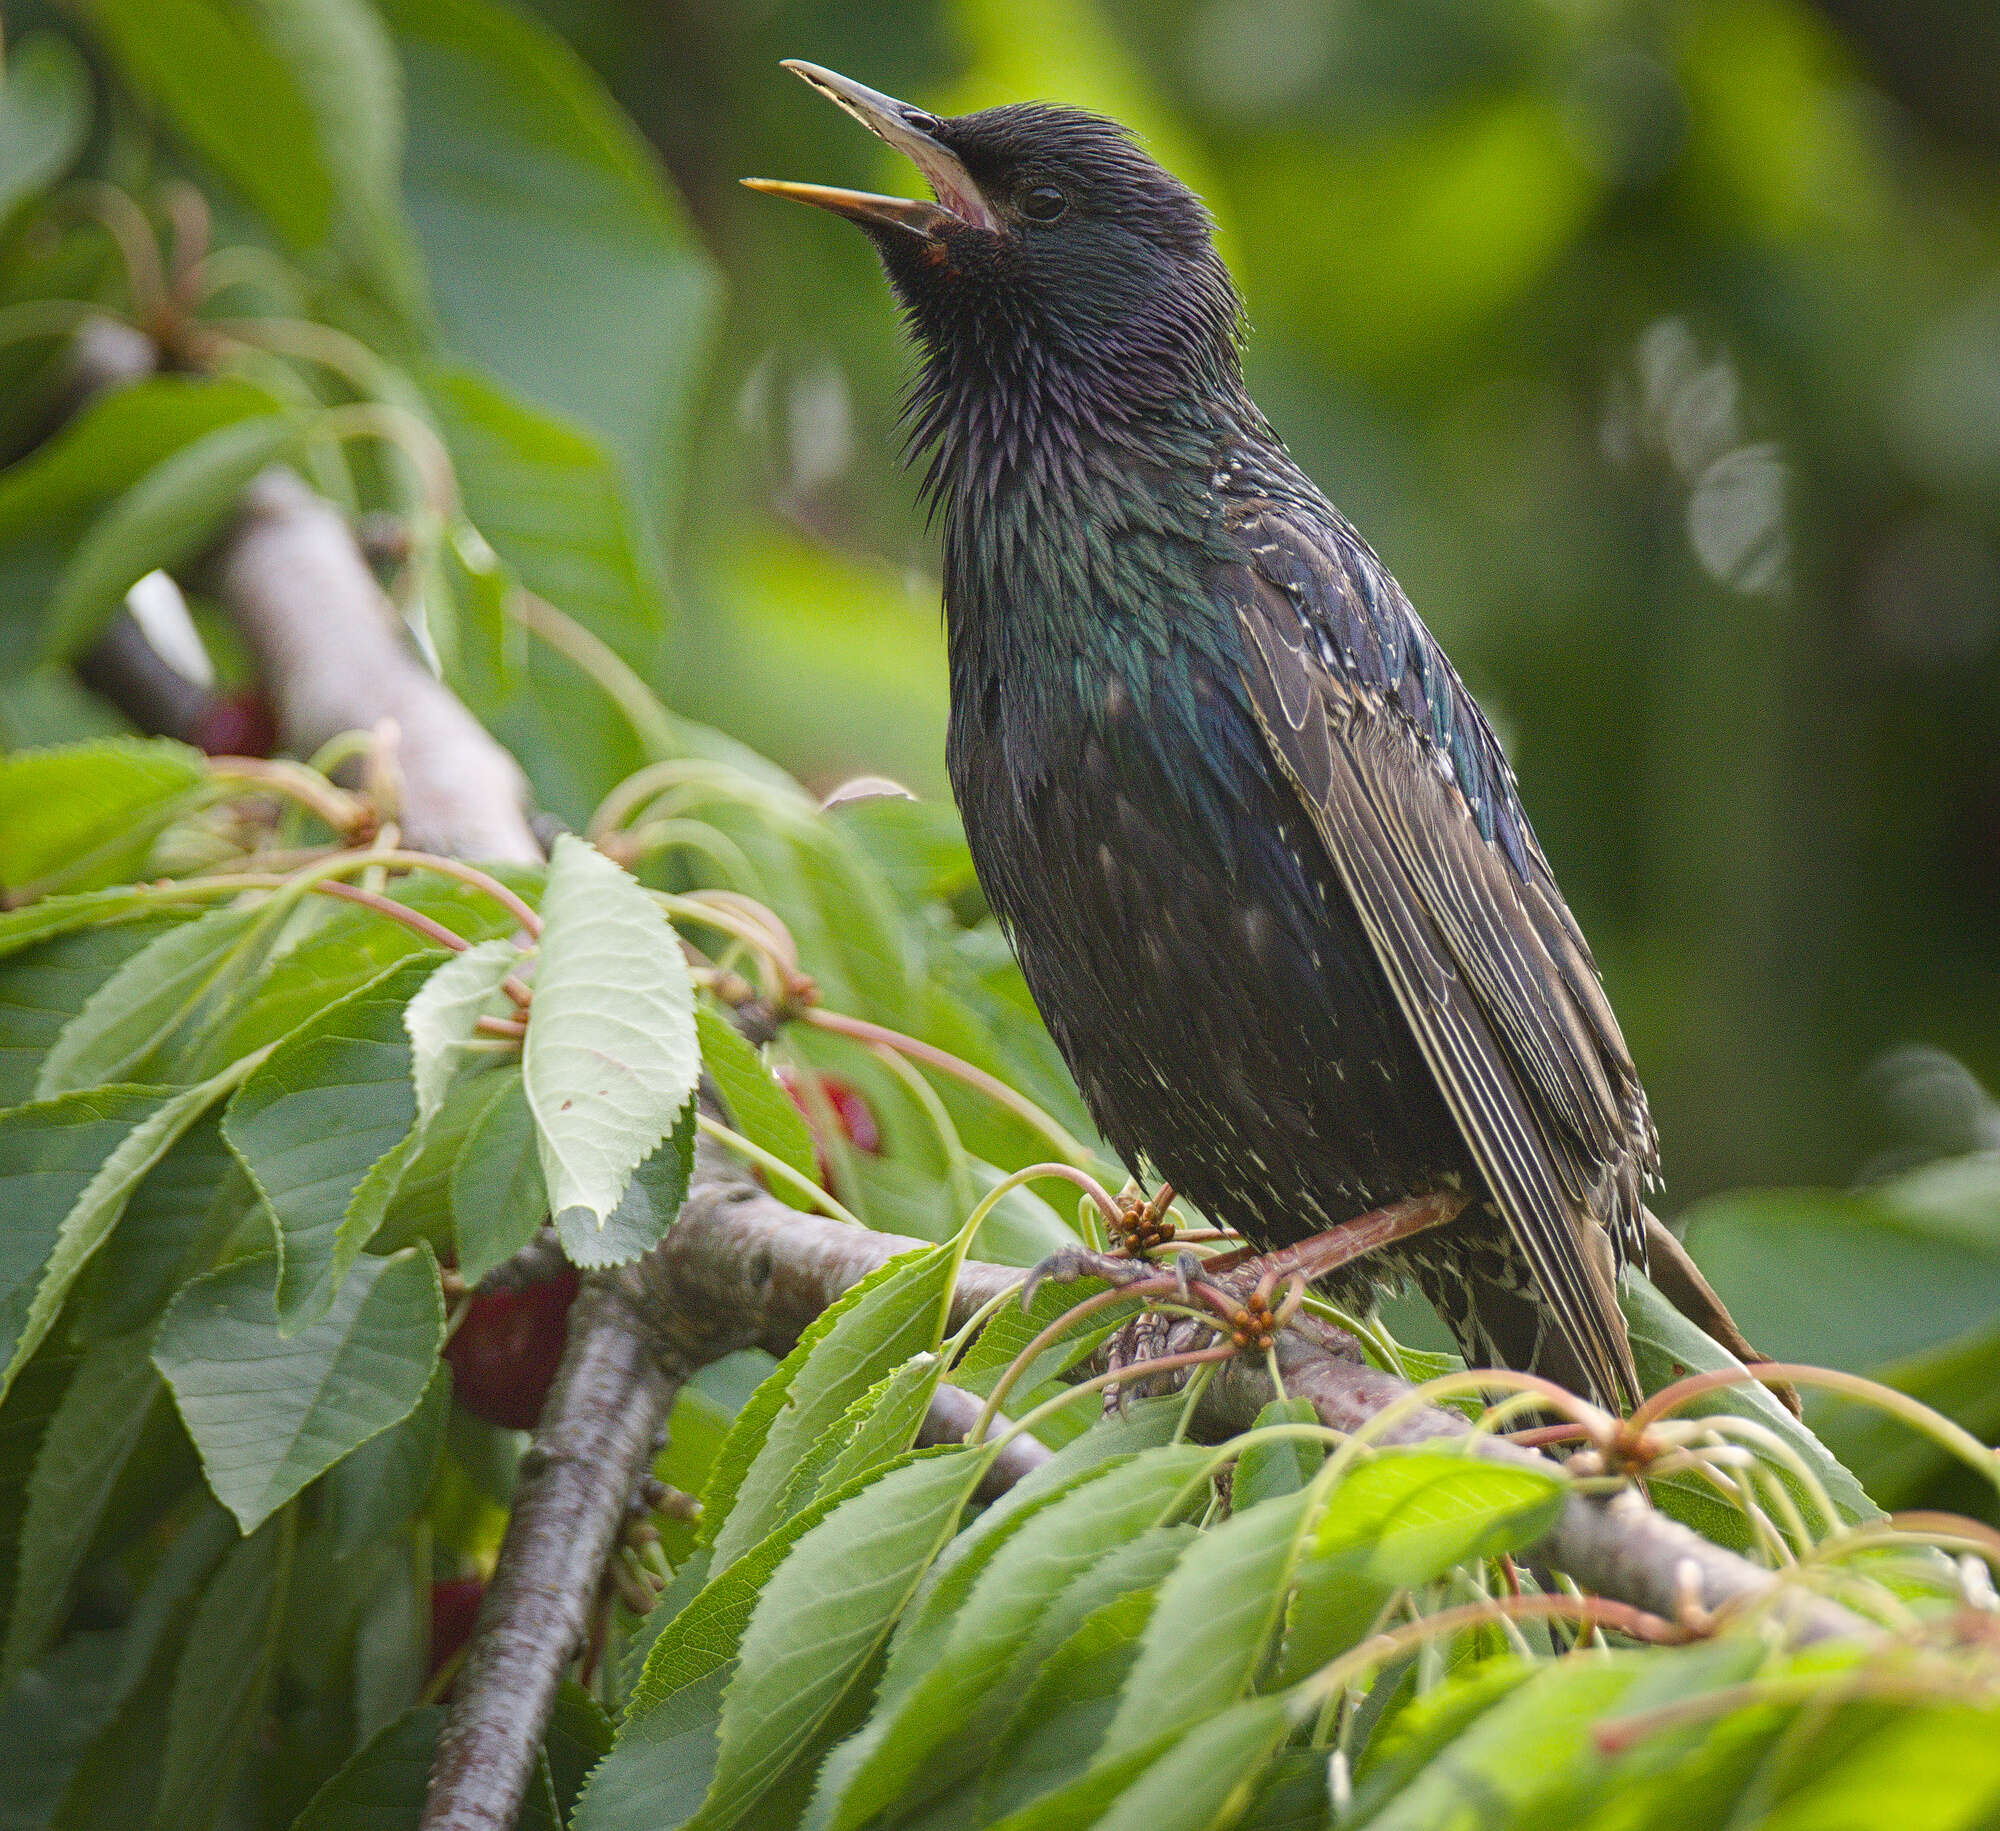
(248, 1115)
(268, 1099)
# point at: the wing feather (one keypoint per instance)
(1486, 963)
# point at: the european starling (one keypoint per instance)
(1260, 854)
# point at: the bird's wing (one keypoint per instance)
(1414, 804)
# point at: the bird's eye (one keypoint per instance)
(1043, 204)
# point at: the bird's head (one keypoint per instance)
(1053, 254)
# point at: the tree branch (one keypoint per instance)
(737, 1268)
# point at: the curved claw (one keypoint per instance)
(1069, 1263)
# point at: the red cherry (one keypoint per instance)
(504, 1351)
(239, 724)
(855, 1116)
(454, 1609)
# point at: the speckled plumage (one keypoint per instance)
(1260, 855)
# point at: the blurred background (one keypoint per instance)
(1655, 345)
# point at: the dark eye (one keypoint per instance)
(1043, 204)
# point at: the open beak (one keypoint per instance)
(906, 129)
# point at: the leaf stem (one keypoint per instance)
(774, 1165)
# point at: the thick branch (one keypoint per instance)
(332, 654)
(738, 1268)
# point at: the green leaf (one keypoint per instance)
(579, 1736)
(823, 1614)
(1206, 1777)
(1667, 1346)
(645, 1211)
(442, 1017)
(53, 916)
(372, 1490)
(876, 1429)
(295, 102)
(1909, 1279)
(115, 440)
(46, 985)
(44, 116)
(381, 1787)
(45, 1149)
(1215, 1619)
(223, 1677)
(1270, 1467)
(553, 503)
(270, 1412)
(173, 1228)
(497, 1198)
(519, 163)
(664, 1759)
(611, 1060)
(937, 1709)
(341, 949)
(873, 1329)
(83, 1450)
(1400, 1520)
(758, 1106)
(323, 1127)
(88, 810)
(50, 1719)
(168, 516)
(1058, 1726)
(127, 1018)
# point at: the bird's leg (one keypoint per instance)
(1321, 1253)
(1138, 1229)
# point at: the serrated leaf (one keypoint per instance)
(46, 985)
(168, 516)
(874, 1328)
(1216, 1616)
(173, 1227)
(823, 1614)
(579, 1736)
(1011, 1328)
(1400, 1520)
(660, 1768)
(324, 1127)
(127, 1018)
(611, 1060)
(443, 1016)
(270, 1412)
(1269, 1467)
(46, 1150)
(758, 1106)
(91, 810)
(44, 116)
(372, 1490)
(645, 1211)
(497, 1198)
(344, 949)
(1207, 1776)
(61, 915)
(878, 1427)
(222, 1678)
(1058, 1726)
(83, 1450)
(937, 1707)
